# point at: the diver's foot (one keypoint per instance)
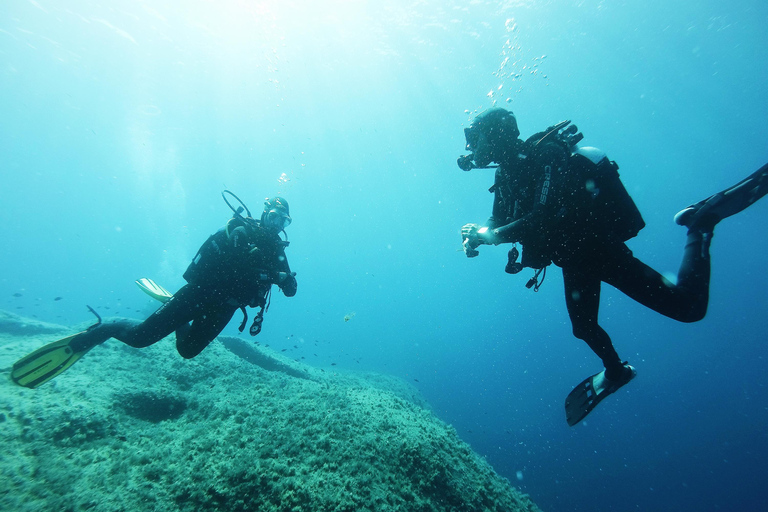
(593, 390)
(684, 216)
(703, 216)
(612, 379)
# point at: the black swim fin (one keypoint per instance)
(46, 362)
(705, 214)
(590, 392)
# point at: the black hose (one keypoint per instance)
(238, 210)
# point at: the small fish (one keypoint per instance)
(17, 294)
(58, 298)
(349, 316)
(333, 364)
(284, 350)
(416, 380)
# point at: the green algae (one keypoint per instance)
(128, 429)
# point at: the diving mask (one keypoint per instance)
(278, 219)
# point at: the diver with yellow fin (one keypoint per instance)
(565, 204)
(234, 269)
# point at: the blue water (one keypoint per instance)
(121, 122)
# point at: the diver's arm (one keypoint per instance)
(286, 279)
(512, 232)
(475, 235)
(509, 233)
(493, 234)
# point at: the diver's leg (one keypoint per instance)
(704, 215)
(203, 330)
(685, 301)
(582, 298)
(109, 328)
(172, 315)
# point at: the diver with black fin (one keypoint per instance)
(234, 269)
(566, 205)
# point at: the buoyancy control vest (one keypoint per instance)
(596, 209)
(239, 260)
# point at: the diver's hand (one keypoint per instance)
(475, 235)
(470, 240)
(471, 252)
(469, 232)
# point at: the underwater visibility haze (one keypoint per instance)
(122, 122)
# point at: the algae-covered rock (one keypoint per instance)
(127, 429)
(21, 326)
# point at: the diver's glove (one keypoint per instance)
(474, 235)
(287, 283)
(470, 251)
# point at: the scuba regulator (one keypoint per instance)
(251, 223)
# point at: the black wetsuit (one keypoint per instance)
(536, 203)
(234, 268)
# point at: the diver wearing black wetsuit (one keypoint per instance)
(234, 268)
(565, 205)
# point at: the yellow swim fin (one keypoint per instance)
(153, 289)
(50, 360)
(46, 362)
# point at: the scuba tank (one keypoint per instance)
(600, 206)
(610, 210)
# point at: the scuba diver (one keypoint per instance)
(234, 268)
(566, 205)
